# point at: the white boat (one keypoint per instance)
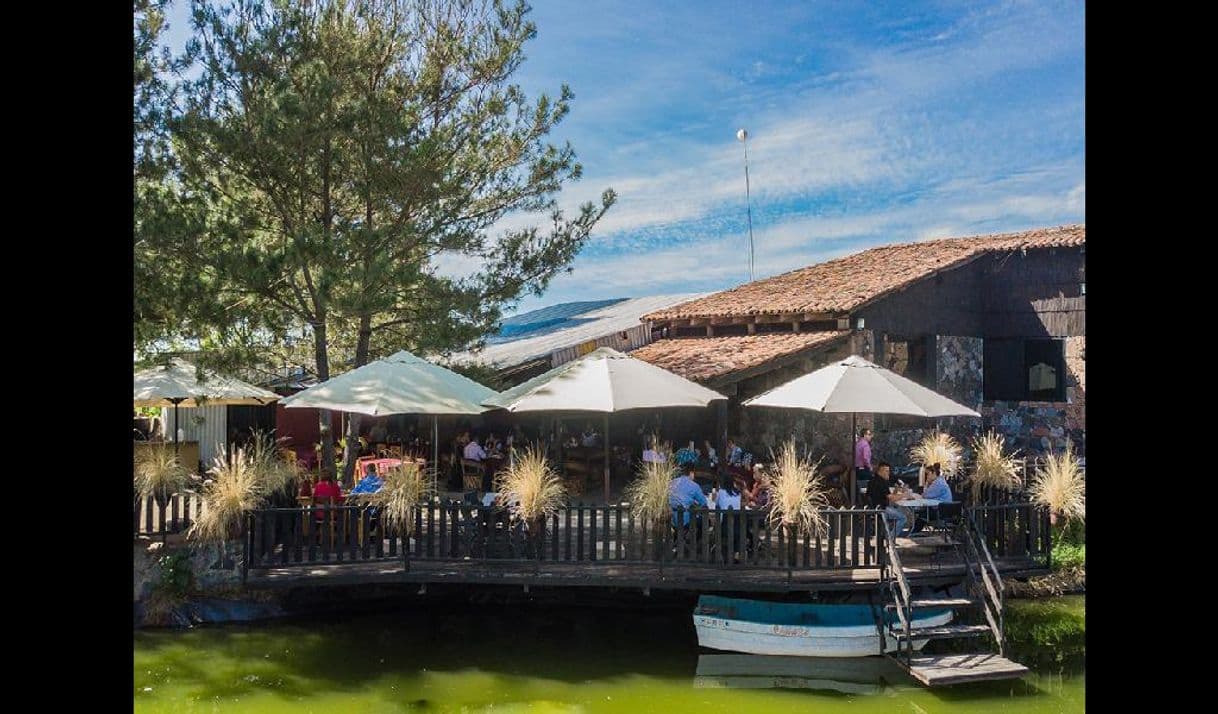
(806, 630)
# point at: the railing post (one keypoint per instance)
(247, 543)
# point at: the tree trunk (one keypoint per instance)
(353, 424)
(321, 356)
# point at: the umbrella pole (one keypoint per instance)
(606, 458)
(435, 450)
(176, 429)
(853, 477)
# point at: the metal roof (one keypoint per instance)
(538, 333)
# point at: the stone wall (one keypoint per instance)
(1036, 428)
(1032, 427)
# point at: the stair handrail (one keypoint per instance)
(993, 605)
(900, 595)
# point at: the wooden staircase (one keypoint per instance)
(982, 577)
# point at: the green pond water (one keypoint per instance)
(552, 659)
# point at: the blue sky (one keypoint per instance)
(870, 123)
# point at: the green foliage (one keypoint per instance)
(1068, 556)
(326, 155)
(177, 577)
(1054, 628)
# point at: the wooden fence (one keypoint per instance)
(173, 516)
(574, 534)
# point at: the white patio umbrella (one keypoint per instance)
(399, 384)
(860, 387)
(179, 383)
(604, 381)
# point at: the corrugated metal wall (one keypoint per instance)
(636, 337)
(206, 425)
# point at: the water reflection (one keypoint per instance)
(852, 675)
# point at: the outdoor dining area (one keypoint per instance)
(592, 425)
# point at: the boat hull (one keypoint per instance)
(837, 637)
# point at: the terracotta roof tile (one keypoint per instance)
(845, 284)
(705, 358)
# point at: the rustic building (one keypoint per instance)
(995, 322)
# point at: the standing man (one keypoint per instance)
(862, 458)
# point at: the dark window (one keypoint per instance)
(730, 330)
(689, 332)
(772, 327)
(1024, 370)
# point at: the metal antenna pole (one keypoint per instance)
(743, 136)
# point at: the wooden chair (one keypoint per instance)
(471, 475)
(319, 517)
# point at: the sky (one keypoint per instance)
(869, 124)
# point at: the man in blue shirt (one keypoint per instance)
(370, 483)
(684, 492)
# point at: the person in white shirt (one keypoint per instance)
(474, 451)
(727, 498)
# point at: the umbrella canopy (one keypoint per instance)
(178, 383)
(858, 386)
(604, 381)
(399, 384)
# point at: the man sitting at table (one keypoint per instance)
(684, 492)
(474, 450)
(370, 483)
(879, 497)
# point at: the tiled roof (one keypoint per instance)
(846, 284)
(705, 358)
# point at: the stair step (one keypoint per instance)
(937, 670)
(942, 632)
(942, 602)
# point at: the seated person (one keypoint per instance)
(590, 437)
(684, 492)
(370, 483)
(709, 457)
(326, 489)
(728, 496)
(737, 456)
(474, 451)
(878, 496)
(686, 456)
(650, 455)
(937, 489)
(759, 495)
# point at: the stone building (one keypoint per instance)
(995, 322)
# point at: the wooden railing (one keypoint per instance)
(574, 534)
(174, 515)
(1014, 530)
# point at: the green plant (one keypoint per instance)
(177, 575)
(159, 472)
(1069, 556)
(530, 482)
(1060, 486)
(648, 492)
(233, 491)
(797, 492)
(938, 448)
(994, 467)
(403, 487)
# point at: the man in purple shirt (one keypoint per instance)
(862, 458)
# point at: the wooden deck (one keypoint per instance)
(941, 670)
(610, 574)
(604, 547)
